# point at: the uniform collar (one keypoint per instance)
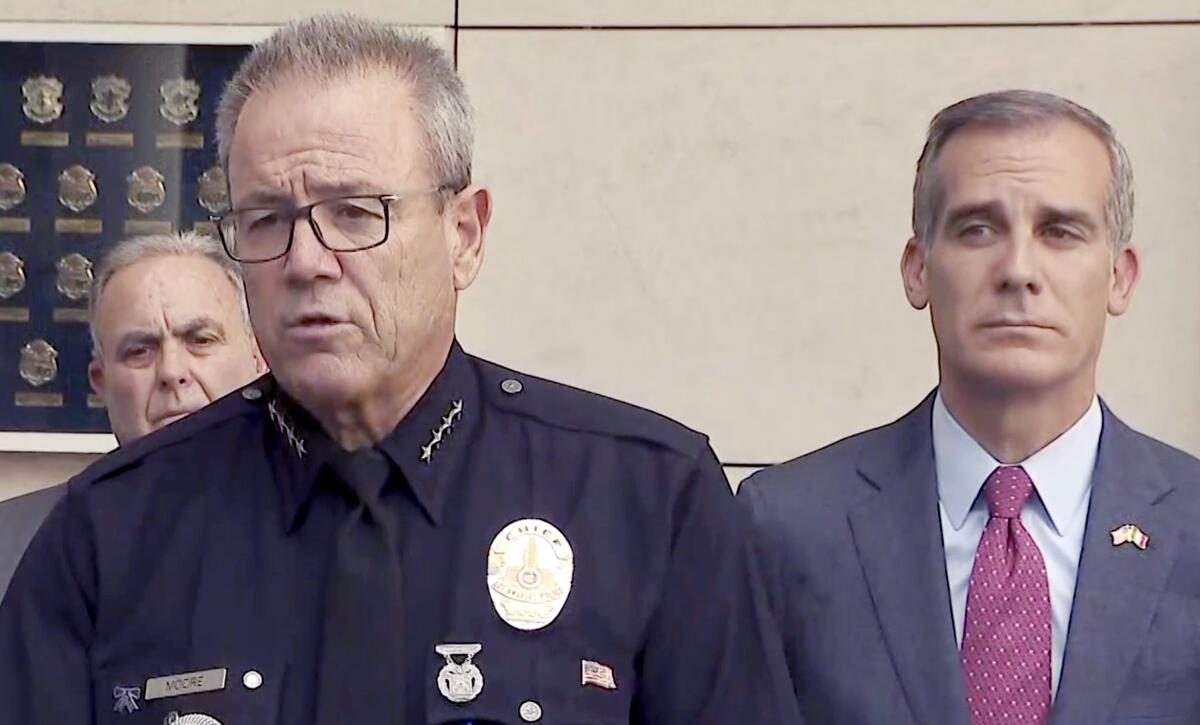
(428, 445)
(1061, 471)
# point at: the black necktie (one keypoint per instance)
(360, 677)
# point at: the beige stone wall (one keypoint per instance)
(709, 221)
(699, 207)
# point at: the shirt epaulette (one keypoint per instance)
(569, 408)
(249, 399)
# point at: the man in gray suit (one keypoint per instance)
(170, 334)
(1009, 551)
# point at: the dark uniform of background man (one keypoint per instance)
(170, 334)
(388, 530)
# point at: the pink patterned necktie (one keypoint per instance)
(1006, 639)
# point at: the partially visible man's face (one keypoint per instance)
(1020, 275)
(172, 340)
(336, 327)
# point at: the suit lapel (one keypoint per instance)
(1117, 589)
(897, 531)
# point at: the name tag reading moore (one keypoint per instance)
(188, 683)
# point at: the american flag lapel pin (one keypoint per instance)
(1130, 534)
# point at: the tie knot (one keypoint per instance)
(1006, 491)
(364, 471)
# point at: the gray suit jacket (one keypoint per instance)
(19, 521)
(854, 545)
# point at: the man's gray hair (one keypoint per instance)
(130, 251)
(1017, 109)
(332, 47)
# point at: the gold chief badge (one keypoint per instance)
(530, 568)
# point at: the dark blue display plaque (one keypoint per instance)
(97, 142)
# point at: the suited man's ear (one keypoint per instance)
(1125, 271)
(912, 273)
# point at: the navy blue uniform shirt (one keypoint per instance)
(206, 545)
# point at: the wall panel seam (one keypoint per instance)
(842, 26)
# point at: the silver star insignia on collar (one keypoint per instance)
(284, 424)
(438, 434)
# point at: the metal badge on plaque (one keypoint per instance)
(12, 282)
(43, 104)
(12, 275)
(213, 190)
(180, 100)
(77, 191)
(110, 98)
(180, 106)
(12, 187)
(39, 366)
(110, 103)
(147, 189)
(43, 99)
(77, 188)
(73, 281)
(12, 195)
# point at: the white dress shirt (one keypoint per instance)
(1055, 517)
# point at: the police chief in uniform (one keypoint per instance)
(387, 529)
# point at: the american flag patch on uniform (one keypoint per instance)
(598, 675)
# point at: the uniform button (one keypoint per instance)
(530, 710)
(512, 386)
(251, 393)
(252, 680)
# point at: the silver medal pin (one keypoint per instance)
(459, 681)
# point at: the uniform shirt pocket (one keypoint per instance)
(137, 694)
(579, 686)
(541, 681)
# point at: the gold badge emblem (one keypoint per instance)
(530, 569)
(213, 190)
(110, 98)
(74, 279)
(77, 188)
(39, 362)
(147, 189)
(180, 100)
(43, 99)
(12, 275)
(12, 187)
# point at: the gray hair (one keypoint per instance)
(130, 251)
(1012, 110)
(331, 47)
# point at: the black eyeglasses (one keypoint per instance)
(341, 224)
